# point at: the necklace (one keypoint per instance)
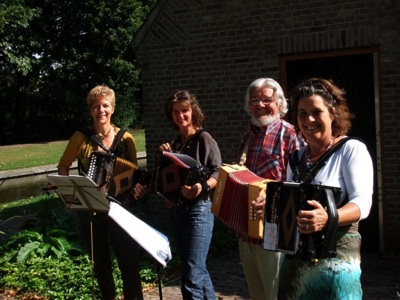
(184, 142)
(103, 136)
(307, 155)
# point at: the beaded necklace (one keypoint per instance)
(307, 155)
(103, 136)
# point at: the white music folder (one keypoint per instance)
(153, 241)
(81, 193)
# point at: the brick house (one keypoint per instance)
(216, 48)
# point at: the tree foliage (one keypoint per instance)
(53, 52)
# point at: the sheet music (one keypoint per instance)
(153, 241)
(79, 192)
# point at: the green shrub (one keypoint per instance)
(46, 257)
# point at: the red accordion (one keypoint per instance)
(174, 170)
(236, 188)
(284, 200)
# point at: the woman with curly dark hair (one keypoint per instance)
(321, 115)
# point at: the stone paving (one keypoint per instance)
(380, 279)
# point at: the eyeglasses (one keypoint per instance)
(255, 101)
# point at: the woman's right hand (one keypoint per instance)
(165, 147)
(310, 221)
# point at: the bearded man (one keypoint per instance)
(264, 149)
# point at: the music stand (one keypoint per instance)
(80, 193)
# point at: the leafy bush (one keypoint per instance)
(54, 278)
(46, 258)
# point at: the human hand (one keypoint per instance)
(191, 192)
(139, 191)
(165, 147)
(310, 221)
(258, 207)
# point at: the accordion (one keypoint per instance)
(236, 188)
(174, 170)
(284, 200)
(116, 176)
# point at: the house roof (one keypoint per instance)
(130, 53)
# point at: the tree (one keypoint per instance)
(15, 61)
(53, 52)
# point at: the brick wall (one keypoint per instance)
(216, 48)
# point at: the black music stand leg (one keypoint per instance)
(159, 280)
(92, 251)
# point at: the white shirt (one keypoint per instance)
(351, 169)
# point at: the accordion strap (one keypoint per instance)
(331, 225)
(294, 161)
(243, 156)
(117, 139)
(93, 137)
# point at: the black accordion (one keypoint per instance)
(284, 200)
(174, 170)
(115, 175)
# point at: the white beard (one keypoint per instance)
(264, 120)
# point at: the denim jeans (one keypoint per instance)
(192, 230)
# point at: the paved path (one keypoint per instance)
(380, 279)
(226, 274)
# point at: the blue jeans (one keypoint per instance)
(192, 230)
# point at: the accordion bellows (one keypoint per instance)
(236, 188)
(115, 175)
(173, 170)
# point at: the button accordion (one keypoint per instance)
(236, 188)
(284, 200)
(115, 175)
(174, 170)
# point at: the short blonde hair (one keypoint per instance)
(98, 92)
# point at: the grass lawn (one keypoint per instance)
(33, 155)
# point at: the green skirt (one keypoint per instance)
(331, 278)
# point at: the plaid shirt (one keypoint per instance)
(268, 151)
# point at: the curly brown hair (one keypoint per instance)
(189, 100)
(333, 98)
